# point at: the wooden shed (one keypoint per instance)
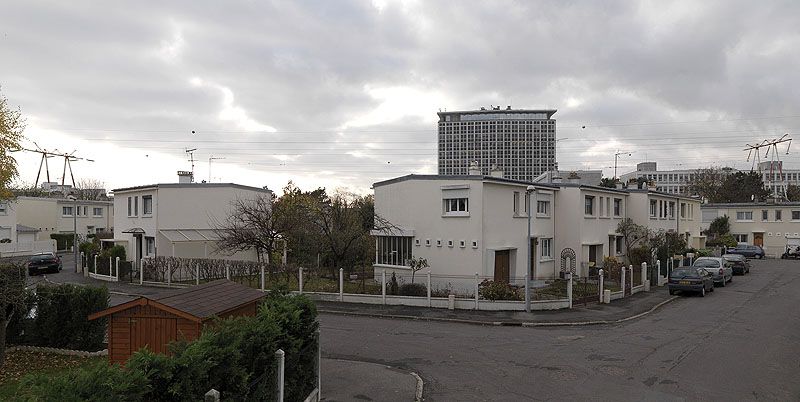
(182, 314)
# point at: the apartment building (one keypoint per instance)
(177, 219)
(521, 143)
(763, 224)
(59, 215)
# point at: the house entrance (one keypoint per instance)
(501, 262)
(758, 239)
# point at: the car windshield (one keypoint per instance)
(683, 272)
(733, 257)
(42, 257)
(706, 263)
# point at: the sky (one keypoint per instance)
(341, 94)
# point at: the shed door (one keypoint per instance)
(155, 333)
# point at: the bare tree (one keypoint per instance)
(12, 300)
(91, 189)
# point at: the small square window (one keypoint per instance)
(427, 242)
(416, 242)
(462, 243)
(450, 243)
(769, 234)
(438, 242)
(474, 244)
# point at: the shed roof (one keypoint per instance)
(196, 303)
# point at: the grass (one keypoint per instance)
(19, 363)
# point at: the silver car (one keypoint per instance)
(720, 270)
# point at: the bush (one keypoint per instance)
(61, 317)
(88, 247)
(99, 382)
(638, 255)
(64, 241)
(491, 290)
(413, 289)
(114, 252)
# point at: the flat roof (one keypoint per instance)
(750, 204)
(661, 193)
(482, 178)
(190, 185)
(548, 112)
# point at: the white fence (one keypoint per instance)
(15, 249)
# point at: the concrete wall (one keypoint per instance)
(46, 214)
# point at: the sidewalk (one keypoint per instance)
(619, 310)
(346, 380)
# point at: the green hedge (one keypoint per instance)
(64, 241)
(61, 312)
(235, 356)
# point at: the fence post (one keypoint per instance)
(630, 267)
(622, 280)
(196, 274)
(110, 267)
(79, 264)
(527, 295)
(383, 286)
(319, 366)
(116, 266)
(569, 290)
(263, 278)
(341, 284)
(94, 268)
(211, 396)
(300, 279)
(477, 286)
(645, 282)
(141, 271)
(658, 271)
(600, 277)
(169, 275)
(227, 271)
(280, 355)
(429, 288)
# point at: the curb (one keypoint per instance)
(420, 385)
(500, 323)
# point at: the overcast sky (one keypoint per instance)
(341, 94)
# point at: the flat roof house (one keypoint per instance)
(177, 219)
(762, 224)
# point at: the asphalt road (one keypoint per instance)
(741, 342)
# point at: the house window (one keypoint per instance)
(150, 245)
(393, 250)
(527, 203)
(546, 245)
(671, 210)
(416, 242)
(618, 245)
(97, 212)
(449, 243)
(740, 238)
(130, 206)
(474, 244)
(795, 215)
(516, 203)
(543, 207)
(427, 242)
(764, 215)
(135, 206)
(588, 205)
(462, 243)
(3, 208)
(66, 211)
(438, 242)
(617, 207)
(778, 214)
(683, 210)
(653, 208)
(147, 204)
(456, 206)
(745, 215)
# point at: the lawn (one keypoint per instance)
(18, 363)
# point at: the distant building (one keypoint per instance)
(520, 143)
(585, 177)
(760, 223)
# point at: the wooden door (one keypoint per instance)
(758, 239)
(501, 266)
(154, 333)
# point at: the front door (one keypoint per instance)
(501, 262)
(758, 239)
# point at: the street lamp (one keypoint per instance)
(74, 228)
(528, 192)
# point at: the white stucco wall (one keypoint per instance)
(774, 232)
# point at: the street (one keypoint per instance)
(738, 343)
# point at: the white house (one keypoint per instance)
(177, 219)
(19, 239)
(763, 224)
(463, 225)
(57, 215)
(668, 212)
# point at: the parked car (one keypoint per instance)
(738, 262)
(44, 262)
(690, 279)
(719, 269)
(747, 250)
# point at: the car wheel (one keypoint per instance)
(723, 282)
(671, 292)
(711, 289)
(758, 256)
(703, 292)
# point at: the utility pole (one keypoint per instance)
(754, 150)
(191, 159)
(616, 156)
(68, 159)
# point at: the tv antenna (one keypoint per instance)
(68, 159)
(190, 151)
(616, 156)
(775, 165)
(212, 158)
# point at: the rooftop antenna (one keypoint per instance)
(212, 158)
(191, 159)
(68, 159)
(774, 161)
(616, 156)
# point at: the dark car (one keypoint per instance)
(738, 262)
(44, 262)
(690, 279)
(747, 250)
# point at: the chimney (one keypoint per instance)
(496, 171)
(619, 185)
(474, 169)
(651, 185)
(574, 178)
(185, 177)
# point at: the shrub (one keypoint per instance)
(98, 382)
(491, 290)
(638, 255)
(413, 289)
(114, 252)
(61, 317)
(392, 287)
(612, 266)
(88, 247)
(63, 240)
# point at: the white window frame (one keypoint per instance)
(617, 207)
(653, 208)
(742, 216)
(150, 246)
(545, 249)
(793, 215)
(455, 206)
(144, 205)
(589, 204)
(64, 210)
(543, 208)
(95, 214)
